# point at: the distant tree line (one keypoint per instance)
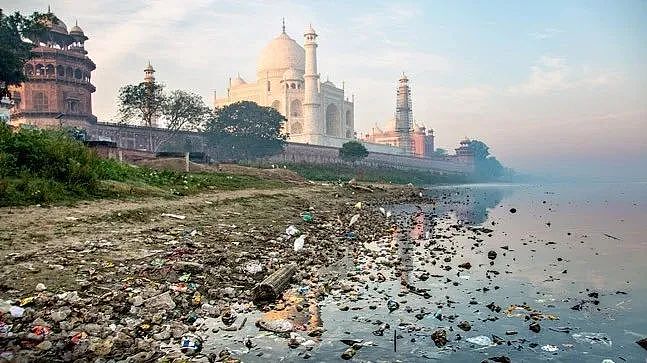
(486, 165)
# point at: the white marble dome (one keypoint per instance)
(292, 75)
(281, 54)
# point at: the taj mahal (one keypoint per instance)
(287, 79)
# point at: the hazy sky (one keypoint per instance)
(552, 86)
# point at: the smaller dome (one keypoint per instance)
(292, 75)
(56, 25)
(76, 30)
(237, 81)
(149, 67)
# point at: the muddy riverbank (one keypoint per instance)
(122, 280)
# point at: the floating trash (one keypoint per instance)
(481, 340)
(549, 348)
(593, 338)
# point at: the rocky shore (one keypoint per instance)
(138, 281)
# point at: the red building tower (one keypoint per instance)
(58, 91)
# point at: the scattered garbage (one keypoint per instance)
(16, 311)
(481, 340)
(353, 220)
(291, 230)
(299, 242)
(549, 348)
(592, 338)
(307, 216)
(534, 326)
(253, 267)
(175, 216)
(191, 344)
(358, 205)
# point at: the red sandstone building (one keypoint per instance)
(422, 139)
(58, 91)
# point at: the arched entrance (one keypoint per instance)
(332, 120)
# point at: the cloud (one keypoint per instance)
(546, 33)
(553, 75)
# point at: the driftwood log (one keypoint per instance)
(270, 288)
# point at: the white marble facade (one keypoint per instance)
(317, 112)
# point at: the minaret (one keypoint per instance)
(403, 115)
(312, 124)
(149, 73)
(149, 78)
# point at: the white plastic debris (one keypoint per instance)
(299, 242)
(549, 348)
(71, 219)
(16, 311)
(592, 338)
(253, 267)
(41, 287)
(353, 219)
(291, 231)
(358, 205)
(176, 216)
(481, 340)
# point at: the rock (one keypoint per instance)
(439, 337)
(534, 326)
(275, 325)
(392, 305)
(642, 343)
(163, 301)
(138, 300)
(491, 255)
(465, 326)
(501, 359)
(60, 314)
(46, 345)
(513, 210)
(465, 265)
(348, 354)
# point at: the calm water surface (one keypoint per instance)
(566, 245)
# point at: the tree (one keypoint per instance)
(142, 103)
(486, 166)
(183, 111)
(353, 151)
(245, 131)
(439, 152)
(14, 50)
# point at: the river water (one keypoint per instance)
(571, 258)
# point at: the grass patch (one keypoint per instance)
(45, 166)
(334, 172)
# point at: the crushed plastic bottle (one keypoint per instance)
(299, 242)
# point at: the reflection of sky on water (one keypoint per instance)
(561, 250)
(549, 267)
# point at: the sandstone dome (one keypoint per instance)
(281, 54)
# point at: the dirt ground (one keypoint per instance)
(178, 164)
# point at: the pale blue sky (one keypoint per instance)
(555, 87)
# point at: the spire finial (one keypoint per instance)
(49, 10)
(76, 22)
(283, 25)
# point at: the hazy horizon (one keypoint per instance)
(554, 88)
